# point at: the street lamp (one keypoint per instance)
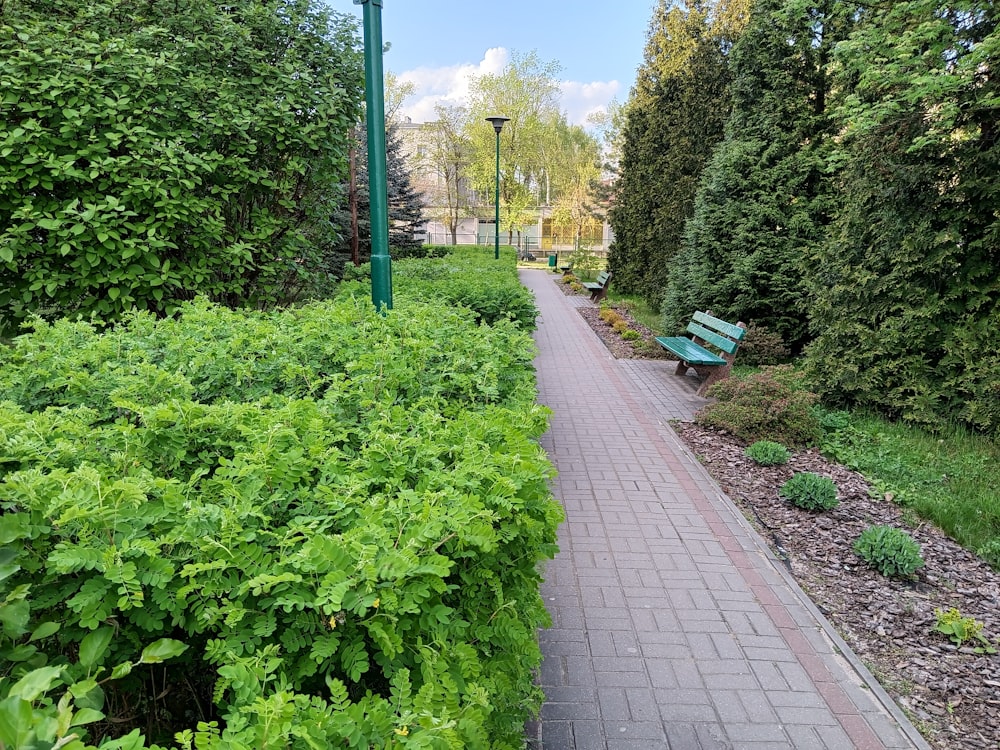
(497, 123)
(375, 115)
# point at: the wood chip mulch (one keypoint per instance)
(951, 694)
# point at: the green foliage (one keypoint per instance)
(674, 118)
(810, 491)
(762, 347)
(768, 453)
(340, 513)
(472, 278)
(907, 313)
(960, 630)
(947, 477)
(468, 277)
(767, 405)
(763, 198)
(404, 204)
(890, 551)
(190, 149)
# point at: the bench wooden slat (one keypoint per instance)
(727, 345)
(598, 289)
(689, 351)
(728, 329)
(711, 366)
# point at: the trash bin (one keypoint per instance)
(553, 259)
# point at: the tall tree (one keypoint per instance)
(526, 91)
(192, 149)
(578, 171)
(908, 283)
(447, 153)
(763, 202)
(673, 119)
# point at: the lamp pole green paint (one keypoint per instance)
(497, 123)
(378, 198)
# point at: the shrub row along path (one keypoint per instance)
(673, 624)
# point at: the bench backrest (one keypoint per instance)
(717, 332)
(602, 277)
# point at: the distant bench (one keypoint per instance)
(599, 289)
(705, 329)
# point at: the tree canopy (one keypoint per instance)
(853, 204)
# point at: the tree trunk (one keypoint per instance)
(352, 200)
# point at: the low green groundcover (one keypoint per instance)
(312, 528)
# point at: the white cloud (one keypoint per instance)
(449, 86)
(580, 100)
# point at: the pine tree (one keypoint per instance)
(405, 204)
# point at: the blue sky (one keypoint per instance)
(437, 44)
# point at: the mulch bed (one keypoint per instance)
(951, 694)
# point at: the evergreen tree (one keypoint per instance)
(762, 203)
(908, 283)
(673, 120)
(405, 204)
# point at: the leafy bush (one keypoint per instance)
(339, 513)
(889, 550)
(810, 491)
(473, 279)
(195, 152)
(768, 453)
(609, 315)
(768, 405)
(630, 334)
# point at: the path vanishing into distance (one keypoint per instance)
(673, 625)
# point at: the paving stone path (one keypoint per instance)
(673, 625)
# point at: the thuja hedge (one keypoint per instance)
(312, 528)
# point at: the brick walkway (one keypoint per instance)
(673, 625)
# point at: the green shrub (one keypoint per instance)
(347, 505)
(609, 315)
(810, 491)
(761, 346)
(184, 192)
(768, 405)
(889, 550)
(768, 453)
(631, 334)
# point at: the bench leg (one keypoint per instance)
(599, 294)
(682, 368)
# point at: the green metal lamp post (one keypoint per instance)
(377, 183)
(497, 123)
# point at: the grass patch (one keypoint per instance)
(948, 478)
(639, 308)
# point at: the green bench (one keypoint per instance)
(599, 289)
(566, 268)
(706, 330)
